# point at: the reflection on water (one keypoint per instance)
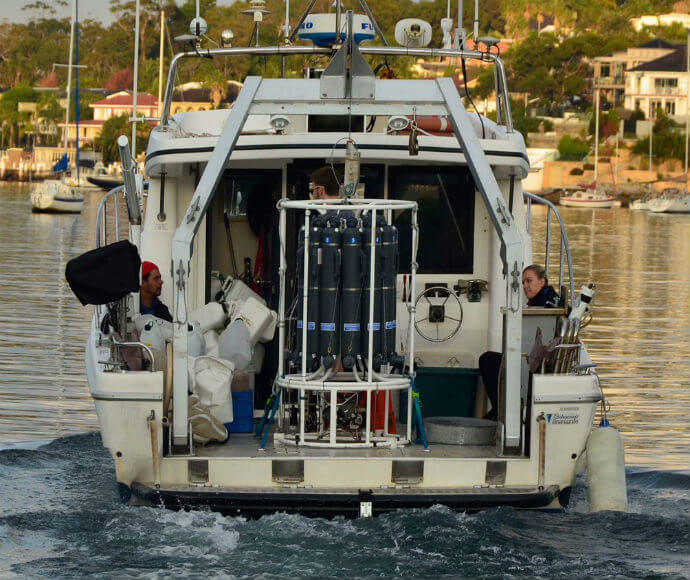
(640, 336)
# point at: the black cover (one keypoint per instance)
(105, 274)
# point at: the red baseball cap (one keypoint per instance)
(147, 268)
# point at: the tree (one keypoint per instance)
(106, 142)
(9, 110)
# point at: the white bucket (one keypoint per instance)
(238, 291)
(210, 378)
(164, 327)
(257, 317)
(210, 316)
(196, 346)
(211, 339)
(258, 357)
(234, 345)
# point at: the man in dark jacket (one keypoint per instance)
(151, 288)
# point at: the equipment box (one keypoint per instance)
(243, 412)
(444, 392)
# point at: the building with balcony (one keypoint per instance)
(662, 83)
(610, 69)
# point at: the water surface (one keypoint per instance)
(59, 513)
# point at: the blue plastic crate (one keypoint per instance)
(243, 413)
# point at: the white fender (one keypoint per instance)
(606, 470)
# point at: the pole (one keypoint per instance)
(687, 109)
(596, 135)
(651, 137)
(160, 65)
(76, 85)
(476, 21)
(69, 71)
(134, 83)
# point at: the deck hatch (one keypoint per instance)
(197, 471)
(287, 470)
(495, 473)
(407, 471)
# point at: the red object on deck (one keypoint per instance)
(379, 411)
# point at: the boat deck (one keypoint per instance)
(245, 445)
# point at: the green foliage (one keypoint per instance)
(106, 142)
(666, 144)
(572, 148)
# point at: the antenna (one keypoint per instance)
(476, 19)
(459, 40)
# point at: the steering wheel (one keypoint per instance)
(437, 314)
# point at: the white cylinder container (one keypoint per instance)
(210, 316)
(196, 346)
(606, 470)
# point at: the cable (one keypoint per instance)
(469, 98)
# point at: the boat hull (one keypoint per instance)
(106, 182)
(56, 198)
(589, 203)
(679, 205)
(255, 503)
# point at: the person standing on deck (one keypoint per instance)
(150, 290)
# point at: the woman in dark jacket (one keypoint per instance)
(537, 289)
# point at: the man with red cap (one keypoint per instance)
(151, 288)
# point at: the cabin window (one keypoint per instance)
(446, 217)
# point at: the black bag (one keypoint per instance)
(105, 274)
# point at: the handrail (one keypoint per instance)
(120, 344)
(101, 217)
(564, 245)
(371, 50)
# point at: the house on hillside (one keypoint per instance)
(114, 105)
(195, 96)
(610, 69)
(661, 83)
(655, 20)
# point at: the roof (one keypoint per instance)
(124, 99)
(674, 62)
(659, 43)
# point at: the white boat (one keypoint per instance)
(55, 196)
(641, 204)
(591, 198)
(447, 213)
(671, 200)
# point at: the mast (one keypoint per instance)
(69, 71)
(596, 135)
(75, 24)
(687, 109)
(134, 82)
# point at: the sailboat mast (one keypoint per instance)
(687, 108)
(596, 135)
(76, 82)
(69, 71)
(134, 83)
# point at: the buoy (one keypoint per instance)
(606, 470)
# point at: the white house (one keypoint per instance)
(654, 20)
(661, 83)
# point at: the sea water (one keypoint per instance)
(60, 516)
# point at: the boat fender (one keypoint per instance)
(606, 470)
(211, 316)
(196, 345)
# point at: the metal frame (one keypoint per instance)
(339, 383)
(502, 98)
(564, 246)
(288, 95)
